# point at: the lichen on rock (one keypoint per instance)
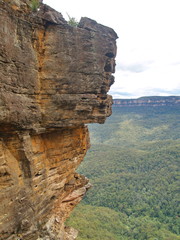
(54, 79)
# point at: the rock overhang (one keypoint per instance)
(61, 74)
(54, 79)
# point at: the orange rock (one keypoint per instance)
(54, 79)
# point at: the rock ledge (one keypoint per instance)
(54, 79)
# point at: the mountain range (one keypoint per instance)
(148, 101)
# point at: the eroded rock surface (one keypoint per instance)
(54, 79)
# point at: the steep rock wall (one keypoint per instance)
(54, 79)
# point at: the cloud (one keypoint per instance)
(133, 67)
(145, 92)
(176, 63)
(122, 95)
(157, 80)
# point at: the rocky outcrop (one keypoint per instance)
(54, 79)
(148, 101)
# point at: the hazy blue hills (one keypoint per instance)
(149, 101)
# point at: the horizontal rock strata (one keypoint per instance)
(54, 79)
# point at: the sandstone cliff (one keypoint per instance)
(54, 79)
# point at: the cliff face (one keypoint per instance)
(148, 101)
(54, 79)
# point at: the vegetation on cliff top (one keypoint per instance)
(133, 165)
(34, 4)
(72, 21)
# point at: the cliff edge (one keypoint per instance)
(54, 79)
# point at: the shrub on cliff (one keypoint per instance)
(34, 5)
(72, 21)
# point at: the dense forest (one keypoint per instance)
(133, 166)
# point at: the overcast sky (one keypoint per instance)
(148, 59)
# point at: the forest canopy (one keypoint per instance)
(133, 164)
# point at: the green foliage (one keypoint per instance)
(72, 21)
(133, 165)
(96, 222)
(34, 5)
(99, 223)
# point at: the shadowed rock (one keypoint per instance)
(54, 79)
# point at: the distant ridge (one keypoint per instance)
(148, 101)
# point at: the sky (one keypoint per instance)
(148, 56)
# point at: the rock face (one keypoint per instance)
(148, 101)
(54, 79)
